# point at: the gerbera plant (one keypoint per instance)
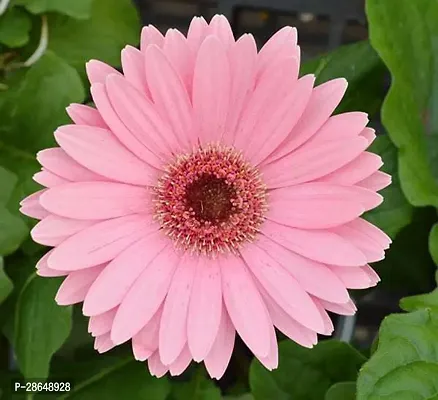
(208, 192)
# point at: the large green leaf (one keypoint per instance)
(15, 26)
(41, 326)
(305, 374)
(404, 33)
(6, 284)
(363, 69)
(113, 25)
(8, 180)
(342, 391)
(395, 212)
(13, 231)
(74, 8)
(33, 108)
(113, 378)
(405, 365)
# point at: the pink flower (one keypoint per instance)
(209, 192)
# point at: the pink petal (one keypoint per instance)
(282, 287)
(170, 95)
(323, 246)
(106, 100)
(372, 275)
(103, 343)
(328, 324)
(32, 207)
(145, 342)
(48, 179)
(372, 232)
(98, 150)
(242, 58)
(377, 181)
(75, 287)
(97, 71)
(156, 367)
(271, 361)
(181, 363)
(323, 101)
(205, 309)
(120, 278)
(44, 270)
(219, 356)
(369, 134)
(284, 42)
(197, 32)
(101, 323)
(100, 243)
(180, 56)
(327, 191)
(370, 248)
(53, 230)
(149, 36)
(220, 28)
(211, 90)
(341, 126)
(272, 89)
(353, 278)
(85, 115)
(287, 325)
(245, 306)
(133, 69)
(314, 277)
(319, 205)
(173, 327)
(145, 296)
(58, 162)
(341, 309)
(96, 200)
(361, 167)
(139, 115)
(273, 131)
(312, 162)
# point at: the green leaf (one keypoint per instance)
(433, 243)
(305, 374)
(80, 9)
(113, 25)
(33, 109)
(342, 391)
(405, 365)
(404, 33)
(41, 326)
(112, 378)
(6, 284)
(198, 388)
(13, 231)
(363, 69)
(15, 26)
(428, 300)
(8, 180)
(395, 212)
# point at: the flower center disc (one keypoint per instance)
(211, 200)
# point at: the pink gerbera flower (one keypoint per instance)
(209, 192)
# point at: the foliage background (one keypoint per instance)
(52, 342)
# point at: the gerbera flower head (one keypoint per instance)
(209, 191)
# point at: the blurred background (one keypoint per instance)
(322, 24)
